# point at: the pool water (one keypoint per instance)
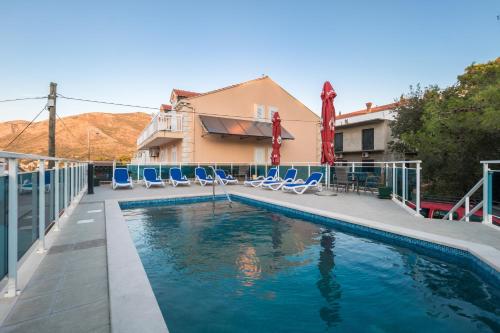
(247, 269)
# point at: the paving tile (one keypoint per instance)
(40, 287)
(80, 295)
(89, 318)
(83, 277)
(30, 309)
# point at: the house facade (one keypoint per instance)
(364, 135)
(230, 125)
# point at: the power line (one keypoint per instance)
(179, 111)
(66, 127)
(109, 103)
(21, 99)
(24, 129)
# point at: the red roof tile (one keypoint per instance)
(366, 111)
(165, 107)
(185, 93)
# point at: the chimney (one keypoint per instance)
(369, 106)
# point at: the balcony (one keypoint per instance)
(161, 130)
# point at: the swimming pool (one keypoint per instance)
(246, 269)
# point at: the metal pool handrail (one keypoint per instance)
(222, 184)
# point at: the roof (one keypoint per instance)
(185, 93)
(380, 108)
(165, 107)
(243, 128)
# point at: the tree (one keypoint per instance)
(451, 130)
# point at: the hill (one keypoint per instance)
(112, 135)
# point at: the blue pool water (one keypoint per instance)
(247, 269)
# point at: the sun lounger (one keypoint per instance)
(225, 179)
(176, 177)
(121, 178)
(272, 175)
(299, 187)
(151, 178)
(201, 177)
(279, 183)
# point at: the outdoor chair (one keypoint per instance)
(121, 179)
(313, 182)
(177, 178)
(151, 178)
(272, 174)
(201, 177)
(275, 185)
(225, 179)
(343, 179)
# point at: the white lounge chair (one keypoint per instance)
(229, 179)
(121, 179)
(275, 185)
(272, 175)
(177, 178)
(151, 178)
(299, 187)
(201, 177)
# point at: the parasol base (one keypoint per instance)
(326, 194)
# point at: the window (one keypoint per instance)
(260, 155)
(339, 142)
(368, 166)
(272, 111)
(174, 154)
(260, 112)
(367, 139)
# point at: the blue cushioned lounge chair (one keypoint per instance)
(275, 185)
(226, 179)
(201, 177)
(177, 178)
(151, 178)
(272, 174)
(299, 187)
(121, 178)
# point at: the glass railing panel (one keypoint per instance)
(4, 184)
(61, 190)
(49, 198)
(302, 172)
(133, 169)
(188, 170)
(27, 223)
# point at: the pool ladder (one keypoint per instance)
(217, 177)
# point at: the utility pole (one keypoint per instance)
(52, 122)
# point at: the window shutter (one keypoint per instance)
(259, 112)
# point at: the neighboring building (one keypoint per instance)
(231, 124)
(363, 136)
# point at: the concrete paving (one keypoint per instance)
(69, 290)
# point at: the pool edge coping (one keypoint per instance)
(133, 306)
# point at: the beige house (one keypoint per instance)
(364, 135)
(231, 124)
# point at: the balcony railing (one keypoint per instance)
(31, 203)
(161, 122)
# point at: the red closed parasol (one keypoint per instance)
(276, 140)
(327, 124)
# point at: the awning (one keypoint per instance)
(242, 128)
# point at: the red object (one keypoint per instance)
(436, 210)
(276, 140)
(327, 124)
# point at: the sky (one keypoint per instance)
(135, 52)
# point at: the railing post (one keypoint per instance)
(486, 177)
(467, 209)
(403, 178)
(41, 206)
(417, 199)
(353, 168)
(66, 186)
(12, 230)
(56, 196)
(308, 170)
(72, 168)
(394, 192)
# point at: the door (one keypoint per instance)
(174, 154)
(260, 155)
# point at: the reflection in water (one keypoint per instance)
(249, 265)
(327, 284)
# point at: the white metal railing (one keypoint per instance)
(486, 203)
(396, 174)
(74, 185)
(161, 122)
